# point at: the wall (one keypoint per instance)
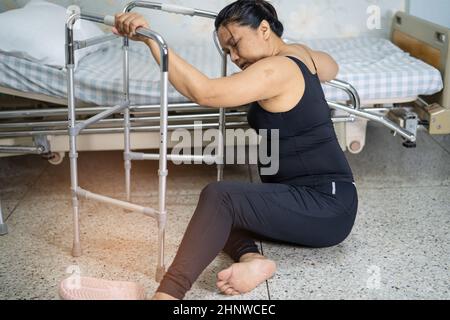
(437, 11)
(303, 19)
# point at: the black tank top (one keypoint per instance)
(309, 152)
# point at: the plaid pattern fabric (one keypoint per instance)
(378, 69)
(374, 66)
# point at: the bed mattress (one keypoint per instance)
(375, 67)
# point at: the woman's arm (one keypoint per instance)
(260, 81)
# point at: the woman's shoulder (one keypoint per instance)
(276, 66)
(327, 68)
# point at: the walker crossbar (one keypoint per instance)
(125, 205)
(173, 157)
(93, 41)
(98, 117)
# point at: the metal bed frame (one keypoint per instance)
(102, 115)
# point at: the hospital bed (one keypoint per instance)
(384, 76)
(95, 112)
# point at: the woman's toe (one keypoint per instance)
(224, 288)
(225, 274)
(220, 284)
(229, 292)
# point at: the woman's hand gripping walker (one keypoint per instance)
(127, 25)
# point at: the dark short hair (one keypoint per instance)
(250, 13)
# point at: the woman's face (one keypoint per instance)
(244, 44)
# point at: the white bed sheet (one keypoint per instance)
(375, 67)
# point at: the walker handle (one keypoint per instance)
(109, 21)
(173, 8)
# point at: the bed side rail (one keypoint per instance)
(355, 110)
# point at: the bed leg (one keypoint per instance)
(3, 226)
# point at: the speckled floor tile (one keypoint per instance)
(7, 207)
(103, 173)
(386, 163)
(116, 245)
(398, 250)
(443, 141)
(18, 174)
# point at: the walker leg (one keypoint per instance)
(162, 172)
(76, 249)
(222, 122)
(73, 155)
(3, 226)
(126, 155)
(220, 168)
(160, 269)
(221, 145)
(127, 124)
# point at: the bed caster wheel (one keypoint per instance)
(56, 158)
(160, 272)
(409, 144)
(355, 147)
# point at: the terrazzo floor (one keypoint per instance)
(399, 247)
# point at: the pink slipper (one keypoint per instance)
(85, 288)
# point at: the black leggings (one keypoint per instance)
(229, 213)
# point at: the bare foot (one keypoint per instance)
(163, 296)
(243, 277)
